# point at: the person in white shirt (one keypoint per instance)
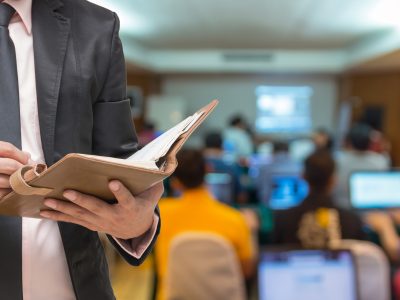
(356, 157)
(237, 140)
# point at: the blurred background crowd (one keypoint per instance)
(290, 189)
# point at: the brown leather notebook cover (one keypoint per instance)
(89, 175)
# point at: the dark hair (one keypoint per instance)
(319, 168)
(191, 168)
(149, 126)
(359, 137)
(281, 146)
(213, 140)
(236, 120)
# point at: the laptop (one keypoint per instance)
(220, 186)
(375, 189)
(287, 191)
(307, 275)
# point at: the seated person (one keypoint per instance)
(357, 157)
(280, 164)
(282, 161)
(323, 139)
(317, 222)
(215, 156)
(218, 162)
(213, 145)
(385, 226)
(237, 139)
(196, 210)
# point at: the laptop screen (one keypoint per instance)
(307, 274)
(287, 191)
(375, 189)
(220, 186)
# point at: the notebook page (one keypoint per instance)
(196, 116)
(161, 145)
(150, 165)
(148, 156)
(151, 152)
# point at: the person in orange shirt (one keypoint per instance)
(197, 210)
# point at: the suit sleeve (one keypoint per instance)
(113, 129)
(128, 256)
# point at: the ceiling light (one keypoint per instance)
(384, 13)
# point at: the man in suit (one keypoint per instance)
(63, 90)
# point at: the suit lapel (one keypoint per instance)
(50, 38)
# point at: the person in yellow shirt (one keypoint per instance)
(197, 210)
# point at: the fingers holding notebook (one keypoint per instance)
(129, 218)
(8, 150)
(11, 159)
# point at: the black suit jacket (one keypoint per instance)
(81, 92)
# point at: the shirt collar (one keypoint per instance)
(24, 10)
(199, 194)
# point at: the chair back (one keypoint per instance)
(203, 266)
(373, 269)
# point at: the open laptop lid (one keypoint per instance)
(287, 191)
(220, 186)
(375, 189)
(307, 274)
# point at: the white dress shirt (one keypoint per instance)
(45, 274)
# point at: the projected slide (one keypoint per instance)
(283, 109)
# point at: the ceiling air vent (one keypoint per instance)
(248, 57)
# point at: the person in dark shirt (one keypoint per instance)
(317, 221)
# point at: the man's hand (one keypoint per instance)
(11, 159)
(129, 218)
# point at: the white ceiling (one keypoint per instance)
(201, 26)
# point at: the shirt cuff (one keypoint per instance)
(137, 246)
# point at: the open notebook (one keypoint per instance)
(151, 155)
(90, 174)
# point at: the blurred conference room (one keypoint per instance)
(290, 188)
